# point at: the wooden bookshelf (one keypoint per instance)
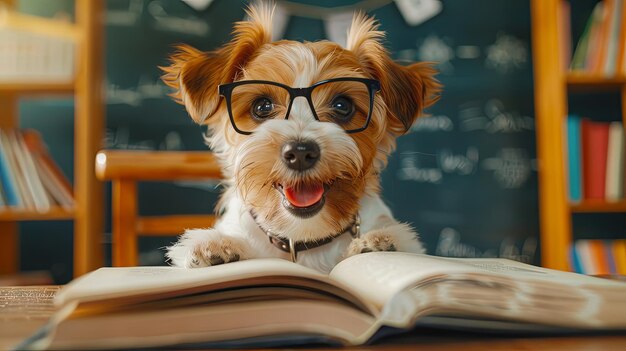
(580, 81)
(87, 91)
(552, 83)
(37, 87)
(598, 206)
(55, 213)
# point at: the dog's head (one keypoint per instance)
(302, 129)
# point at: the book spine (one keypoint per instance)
(621, 51)
(610, 259)
(603, 39)
(619, 255)
(595, 144)
(575, 259)
(6, 174)
(582, 47)
(574, 158)
(598, 254)
(592, 54)
(40, 194)
(610, 66)
(585, 257)
(2, 197)
(615, 162)
(52, 177)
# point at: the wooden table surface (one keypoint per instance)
(25, 309)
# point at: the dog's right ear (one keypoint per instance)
(196, 75)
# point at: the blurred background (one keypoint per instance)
(466, 177)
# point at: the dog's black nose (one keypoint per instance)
(300, 155)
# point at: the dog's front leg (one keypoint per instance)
(206, 247)
(393, 237)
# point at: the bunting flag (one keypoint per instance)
(337, 19)
(198, 5)
(416, 12)
(337, 25)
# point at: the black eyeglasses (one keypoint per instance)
(348, 102)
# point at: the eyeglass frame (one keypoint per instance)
(373, 86)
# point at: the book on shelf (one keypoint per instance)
(600, 48)
(615, 163)
(7, 178)
(574, 158)
(595, 137)
(595, 153)
(277, 302)
(599, 257)
(35, 49)
(29, 178)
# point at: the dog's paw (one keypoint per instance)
(395, 237)
(205, 247)
(378, 240)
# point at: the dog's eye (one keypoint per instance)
(262, 108)
(342, 108)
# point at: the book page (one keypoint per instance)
(380, 275)
(405, 286)
(112, 282)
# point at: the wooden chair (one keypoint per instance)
(125, 168)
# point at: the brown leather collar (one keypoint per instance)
(293, 247)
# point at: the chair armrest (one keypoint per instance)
(156, 165)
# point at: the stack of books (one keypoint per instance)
(599, 257)
(595, 153)
(35, 49)
(29, 178)
(601, 48)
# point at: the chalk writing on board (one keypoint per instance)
(492, 117)
(436, 49)
(511, 167)
(169, 22)
(128, 17)
(119, 138)
(463, 164)
(451, 245)
(147, 88)
(448, 162)
(468, 52)
(410, 170)
(506, 54)
(433, 124)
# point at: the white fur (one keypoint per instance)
(237, 224)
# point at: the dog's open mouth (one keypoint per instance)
(303, 199)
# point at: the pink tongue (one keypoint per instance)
(304, 195)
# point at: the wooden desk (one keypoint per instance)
(25, 309)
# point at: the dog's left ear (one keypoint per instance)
(406, 90)
(196, 75)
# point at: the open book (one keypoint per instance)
(271, 302)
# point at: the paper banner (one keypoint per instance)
(198, 5)
(337, 26)
(418, 11)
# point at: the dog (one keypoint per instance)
(302, 131)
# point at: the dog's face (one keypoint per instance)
(300, 159)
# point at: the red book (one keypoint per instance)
(595, 140)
